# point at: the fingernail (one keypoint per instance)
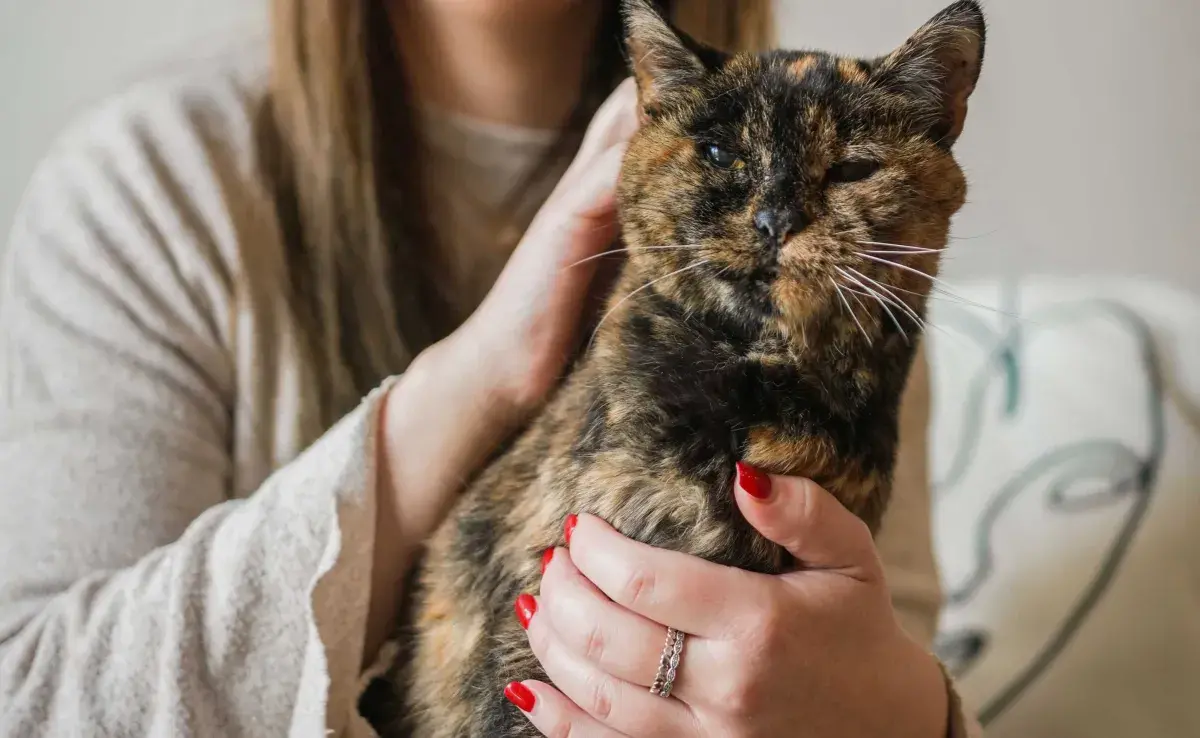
(756, 483)
(549, 554)
(569, 528)
(525, 607)
(520, 695)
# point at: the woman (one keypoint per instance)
(206, 529)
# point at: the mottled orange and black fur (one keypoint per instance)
(759, 341)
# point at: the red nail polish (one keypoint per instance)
(549, 554)
(569, 528)
(520, 695)
(756, 483)
(525, 607)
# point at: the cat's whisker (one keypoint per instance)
(925, 325)
(899, 253)
(878, 298)
(897, 300)
(638, 208)
(928, 327)
(649, 284)
(902, 247)
(992, 232)
(879, 246)
(855, 295)
(950, 297)
(945, 288)
(838, 288)
(916, 319)
(610, 252)
(724, 270)
(875, 296)
(941, 292)
(730, 91)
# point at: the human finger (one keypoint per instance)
(685, 592)
(618, 641)
(627, 708)
(808, 521)
(553, 714)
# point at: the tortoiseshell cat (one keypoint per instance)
(777, 340)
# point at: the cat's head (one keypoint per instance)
(787, 187)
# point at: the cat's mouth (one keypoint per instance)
(754, 288)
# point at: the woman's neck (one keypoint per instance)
(488, 60)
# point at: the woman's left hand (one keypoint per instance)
(815, 652)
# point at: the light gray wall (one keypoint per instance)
(1081, 144)
(1082, 140)
(58, 57)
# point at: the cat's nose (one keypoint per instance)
(775, 224)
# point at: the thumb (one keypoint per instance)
(802, 517)
(579, 219)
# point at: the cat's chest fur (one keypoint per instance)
(644, 434)
(785, 214)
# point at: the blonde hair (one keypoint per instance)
(364, 274)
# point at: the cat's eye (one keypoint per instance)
(852, 170)
(721, 158)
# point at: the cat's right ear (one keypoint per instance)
(664, 60)
(939, 67)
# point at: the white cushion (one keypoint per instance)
(1066, 459)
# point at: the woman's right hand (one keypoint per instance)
(527, 325)
(464, 395)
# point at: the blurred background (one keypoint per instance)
(1081, 149)
(1081, 144)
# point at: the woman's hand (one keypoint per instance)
(501, 363)
(464, 395)
(817, 652)
(526, 327)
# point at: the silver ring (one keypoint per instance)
(668, 664)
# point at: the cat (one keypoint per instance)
(809, 196)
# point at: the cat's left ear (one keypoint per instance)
(939, 67)
(664, 60)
